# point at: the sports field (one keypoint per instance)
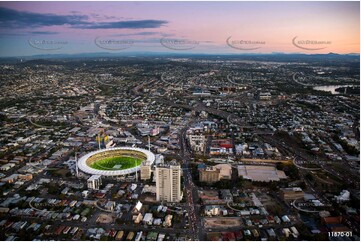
(116, 163)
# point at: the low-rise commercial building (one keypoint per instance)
(94, 182)
(260, 173)
(292, 193)
(209, 174)
(145, 171)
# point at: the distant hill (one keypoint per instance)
(277, 56)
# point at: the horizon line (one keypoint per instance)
(175, 53)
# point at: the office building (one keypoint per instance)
(197, 143)
(292, 193)
(94, 182)
(145, 171)
(209, 174)
(168, 182)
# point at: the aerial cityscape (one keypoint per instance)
(180, 121)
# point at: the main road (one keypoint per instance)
(191, 190)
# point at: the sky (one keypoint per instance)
(37, 28)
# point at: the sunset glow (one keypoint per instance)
(253, 27)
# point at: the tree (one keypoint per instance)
(309, 177)
(53, 189)
(223, 184)
(303, 185)
(118, 221)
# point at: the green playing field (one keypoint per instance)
(116, 163)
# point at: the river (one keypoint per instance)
(331, 88)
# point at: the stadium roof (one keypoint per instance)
(82, 163)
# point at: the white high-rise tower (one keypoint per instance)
(168, 182)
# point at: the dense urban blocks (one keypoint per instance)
(115, 161)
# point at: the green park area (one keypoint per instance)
(116, 163)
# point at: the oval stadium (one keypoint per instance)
(115, 161)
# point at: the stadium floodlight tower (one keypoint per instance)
(136, 173)
(76, 165)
